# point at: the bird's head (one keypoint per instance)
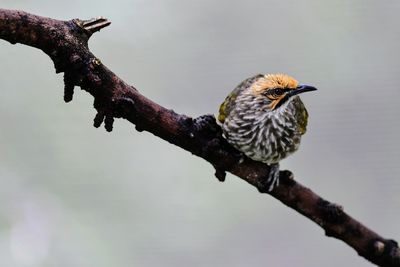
(278, 89)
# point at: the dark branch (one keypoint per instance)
(66, 44)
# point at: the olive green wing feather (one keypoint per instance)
(229, 103)
(226, 106)
(302, 115)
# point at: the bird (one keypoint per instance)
(264, 118)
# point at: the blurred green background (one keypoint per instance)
(73, 195)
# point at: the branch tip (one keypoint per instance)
(108, 123)
(68, 87)
(139, 128)
(98, 119)
(92, 25)
(220, 173)
(68, 92)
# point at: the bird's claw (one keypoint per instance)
(273, 177)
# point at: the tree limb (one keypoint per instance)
(66, 42)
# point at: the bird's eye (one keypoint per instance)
(275, 92)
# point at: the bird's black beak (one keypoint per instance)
(302, 89)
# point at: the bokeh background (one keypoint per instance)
(73, 195)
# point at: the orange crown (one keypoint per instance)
(270, 81)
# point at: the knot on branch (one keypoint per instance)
(392, 251)
(207, 128)
(386, 250)
(331, 212)
(104, 114)
(80, 72)
(286, 177)
(116, 108)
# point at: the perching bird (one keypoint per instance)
(264, 118)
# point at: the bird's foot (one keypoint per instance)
(273, 177)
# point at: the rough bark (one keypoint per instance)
(66, 42)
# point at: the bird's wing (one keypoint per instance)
(302, 115)
(229, 102)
